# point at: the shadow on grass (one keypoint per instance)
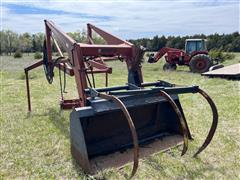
(59, 121)
(197, 173)
(200, 172)
(62, 124)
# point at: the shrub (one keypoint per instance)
(220, 55)
(229, 55)
(17, 54)
(37, 55)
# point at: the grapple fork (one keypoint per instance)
(119, 104)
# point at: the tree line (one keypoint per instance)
(26, 42)
(224, 42)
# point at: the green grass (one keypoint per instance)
(37, 145)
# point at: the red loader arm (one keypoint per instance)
(159, 54)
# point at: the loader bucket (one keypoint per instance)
(101, 130)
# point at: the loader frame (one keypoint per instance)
(77, 53)
(88, 58)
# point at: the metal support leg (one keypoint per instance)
(28, 91)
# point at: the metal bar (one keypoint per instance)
(172, 90)
(180, 118)
(214, 122)
(48, 43)
(169, 90)
(33, 66)
(105, 58)
(181, 90)
(89, 34)
(106, 79)
(80, 74)
(99, 66)
(64, 66)
(109, 38)
(69, 69)
(58, 48)
(96, 71)
(66, 41)
(28, 91)
(158, 83)
(105, 50)
(87, 91)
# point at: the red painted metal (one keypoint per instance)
(35, 65)
(67, 104)
(78, 54)
(83, 59)
(176, 56)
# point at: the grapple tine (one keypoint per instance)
(181, 119)
(214, 122)
(132, 128)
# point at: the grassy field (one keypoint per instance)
(36, 145)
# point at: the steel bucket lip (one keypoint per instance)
(97, 164)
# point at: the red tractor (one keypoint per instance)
(195, 56)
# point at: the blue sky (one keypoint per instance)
(124, 18)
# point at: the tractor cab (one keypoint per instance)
(192, 45)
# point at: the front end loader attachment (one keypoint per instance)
(120, 120)
(111, 126)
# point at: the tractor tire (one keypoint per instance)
(169, 67)
(200, 63)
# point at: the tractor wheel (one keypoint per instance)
(200, 63)
(169, 67)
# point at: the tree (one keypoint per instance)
(25, 42)
(9, 41)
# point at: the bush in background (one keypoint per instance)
(37, 55)
(17, 54)
(220, 55)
